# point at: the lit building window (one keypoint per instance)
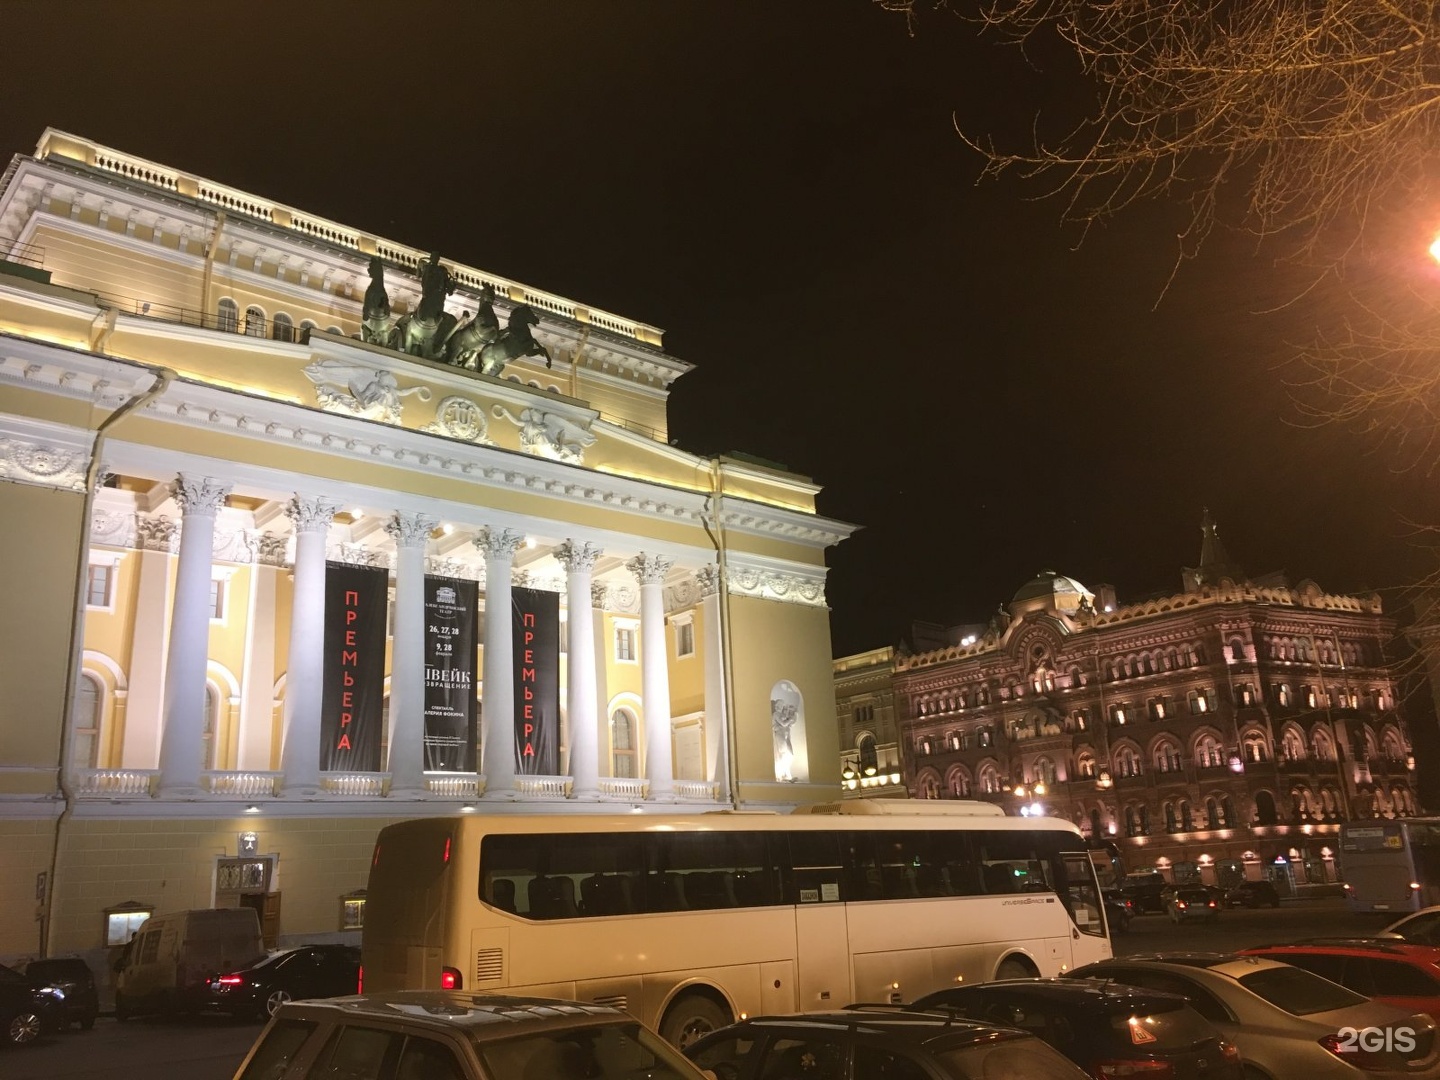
(217, 599)
(122, 920)
(622, 744)
(684, 639)
(1199, 701)
(352, 910)
(625, 644)
(282, 327)
(255, 322)
(228, 318)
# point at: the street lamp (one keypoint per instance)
(1104, 781)
(848, 777)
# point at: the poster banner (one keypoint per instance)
(450, 715)
(535, 624)
(352, 706)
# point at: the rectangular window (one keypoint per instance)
(352, 911)
(684, 639)
(1199, 702)
(625, 644)
(97, 585)
(217, 599)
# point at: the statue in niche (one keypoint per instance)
(377, 325)
(424, 331)
(464, 345)
(515, 340)
(782, 718)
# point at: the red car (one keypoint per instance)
(1394, 972)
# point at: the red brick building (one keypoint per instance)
(1221, 732)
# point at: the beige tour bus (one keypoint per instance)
(691, 921)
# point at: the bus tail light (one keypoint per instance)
(450, 979)
(446, 857)
(1141, 1068)
(1415, 885)
(360, 980)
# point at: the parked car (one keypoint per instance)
(1396, 972)
(28, 1011)
(1192, 903)
(1147, 890)
(1286, 1021)
(450, 1035)
(73, 977)
(1253, 894)
(1422, 927)
(875, 1044)
(1119, 909)
(1106, 1028)
(310, 971)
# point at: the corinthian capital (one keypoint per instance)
(649, 569)
(577, 557)
(270, 549)
(599, 594)
(410, 530)
(157, 533)
(709, 578)
(311, 513)
(499, 543)
(199, 495)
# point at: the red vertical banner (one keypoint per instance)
(535, 629)
(352, 705)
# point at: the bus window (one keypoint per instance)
(815, 868)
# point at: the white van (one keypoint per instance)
(169, 963)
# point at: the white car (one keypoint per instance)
(1420, 928)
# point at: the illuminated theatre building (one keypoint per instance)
(1220, 733)
(273, 582)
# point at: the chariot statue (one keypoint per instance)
(464, 345)
(423, 332)
(377, 325)
(514, 341)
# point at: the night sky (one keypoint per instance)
(778, 185)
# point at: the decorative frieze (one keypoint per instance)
(360, 391)
(708, 580)
(776, 585)
(357, 554)
(459, 418)
(549, 434)
(111, 528)
(270, 549)
(448, 566)
(48, 465)
(236, 546)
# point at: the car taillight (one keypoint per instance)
(450, 979)
(360, 980)
(1345, 885)
(1212, 903)
(1181, 904)
(1348, 1050)
(230, 980)
(1145, 1070)
(1230, 1052)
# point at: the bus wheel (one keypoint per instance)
(691, 1018)
(1014, 969)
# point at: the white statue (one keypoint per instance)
(782, 719)
(549, 434)
(360, 391)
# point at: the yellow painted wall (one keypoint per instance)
(41, 550)
(772, 641)
(687, 674)
(171, 864)
(24, 852)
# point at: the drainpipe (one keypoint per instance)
(210, 265)
(715, 527)
(163, 379)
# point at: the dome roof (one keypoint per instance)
(1049, 584)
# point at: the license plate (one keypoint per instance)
(1381, 907)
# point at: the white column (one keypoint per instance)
(650, 571)
(599, 660)
(581, 703)
(717, 712)
(182, 740)
(497, 702)
(156, 537)
(407, 654)
(305, 665)
(257, 680)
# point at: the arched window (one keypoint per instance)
(1167, 756)
(1172, 822)
(622, 744)
(89, 699)
(960, 784)
(1255, 746)
(282, 327)
(1209, 754)
(1394, 749)
(254, 321)
(1045, 771)
(1324, 745)
(1237, 650)
(869, 759)
(989, 780)
(228, 316)
(1265, 813)
(928, 784)
(1212, 814)
(1292, 745)
(1127, 761)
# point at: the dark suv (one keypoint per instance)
(875, 1044)
(1253, 894)
(27, 1010)
(1107, 1028)
(75, 979)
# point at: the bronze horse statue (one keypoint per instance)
(463, 347)
(423, 332)
(515, 340)
(377, 325)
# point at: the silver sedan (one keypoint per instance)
(1287, 1022)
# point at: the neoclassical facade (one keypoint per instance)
(216, 413)
(1221, 732)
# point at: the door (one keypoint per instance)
(822, 940)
